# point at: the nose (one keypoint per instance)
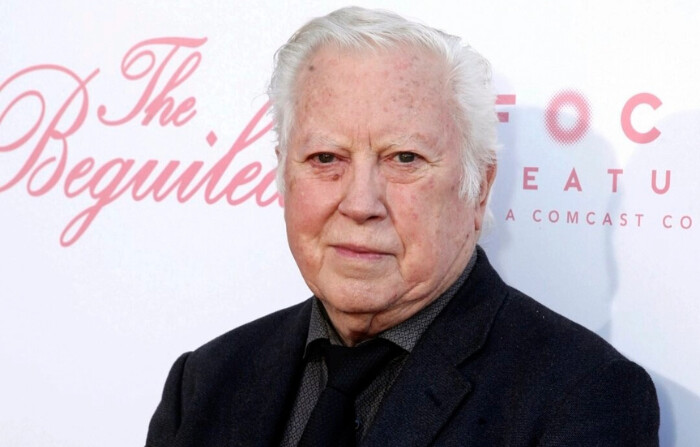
(364, 197)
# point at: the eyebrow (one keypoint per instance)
(319, 139)
(415, 138)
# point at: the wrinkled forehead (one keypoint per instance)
(398, 59)
(404, 78)
(379, 100)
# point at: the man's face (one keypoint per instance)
(373, 170)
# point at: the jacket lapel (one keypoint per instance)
(431, 387)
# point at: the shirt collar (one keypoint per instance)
(404, 334)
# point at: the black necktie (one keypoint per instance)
(350, 370)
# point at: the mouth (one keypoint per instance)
(359, 252)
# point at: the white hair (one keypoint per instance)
(354, 28)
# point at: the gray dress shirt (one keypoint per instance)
(315, 375)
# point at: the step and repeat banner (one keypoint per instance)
(139, 216)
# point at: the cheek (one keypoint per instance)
(417, 217)
(302, 226)
(307, 208)
(420, 206)
(432, 222)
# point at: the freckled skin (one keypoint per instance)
(372, 207)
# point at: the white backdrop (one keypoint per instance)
(128, 238)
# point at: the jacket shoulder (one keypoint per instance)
(550, 336)
(245, 341)
(574, 384)
(218, 384)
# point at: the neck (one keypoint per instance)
(354, 328)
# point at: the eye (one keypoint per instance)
(324, 157)
(406, 157)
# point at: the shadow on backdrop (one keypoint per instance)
(571, 266)
(665, 310)
(545, 247)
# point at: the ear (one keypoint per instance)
(485, 190)
(277, 153)
(486, 183)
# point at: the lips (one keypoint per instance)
(359, 251)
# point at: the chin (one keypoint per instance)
(358, 301)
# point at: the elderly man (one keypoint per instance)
(386, 151)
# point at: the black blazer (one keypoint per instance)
(494, 369)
